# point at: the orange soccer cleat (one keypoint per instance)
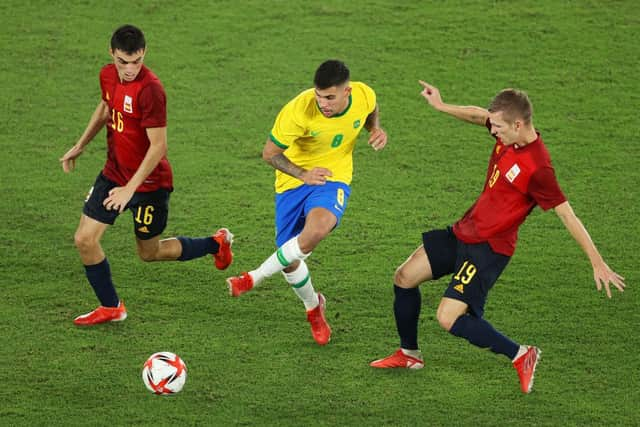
(398, 360)
(102, 315)
(526, 367)
(319, 327)
(224, 257)
(238, 285)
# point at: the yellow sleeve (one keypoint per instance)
(369, 96)
(288, 125)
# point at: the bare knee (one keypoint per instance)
(85, 242)
(446, 319)
(310, 240)
(146, 255)
(402, 279)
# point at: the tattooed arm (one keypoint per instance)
(274, 155)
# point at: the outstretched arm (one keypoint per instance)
(602, 274)
(98, 120)
(274, 155)
(471, 114)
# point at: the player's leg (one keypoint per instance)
(461, 309)
(318, 225)
(323, 210)
(453, 315)
(150, 213)
(154, 249)
(433, 259)
(297, 248)
(291, 218)
(407, 299)
(92, 226)
(304, 217)
(406, 309)
(87, 240)
(456, 318)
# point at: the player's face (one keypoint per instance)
(333, 100)
(508, 132)
(128, 65)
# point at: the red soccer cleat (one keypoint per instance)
(526, 367)
(102, 315)
(238, 285)
(319, 327)
(224, 257)
(398, 360)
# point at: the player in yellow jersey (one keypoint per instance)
(311, 148)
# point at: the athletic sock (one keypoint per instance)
(197, 247)
(406, 308)
(99, 276)
(285, 255)
(480, 333)
(300, 281)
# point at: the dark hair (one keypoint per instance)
(514, 105)
(331, 73)
(128, 39)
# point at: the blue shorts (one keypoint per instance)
(150, 210)
(292, 206)
(475, 267)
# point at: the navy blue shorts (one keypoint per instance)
(150, 210)
(292, 206)
(474, 267)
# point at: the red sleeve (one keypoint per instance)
(102, 87)
(107, 83)
(545, 190)
(153, 103)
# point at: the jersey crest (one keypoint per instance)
(513, 172)
(127, 105)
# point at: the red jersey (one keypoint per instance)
(518, 179)
(133, 107)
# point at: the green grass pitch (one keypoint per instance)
(228, 67)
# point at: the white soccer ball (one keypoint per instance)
(164, 373)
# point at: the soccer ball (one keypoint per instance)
(164, 373)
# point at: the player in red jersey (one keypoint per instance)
(136, 176)
(478, 247)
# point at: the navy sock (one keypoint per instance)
(99, 276)
(406, 307)
(196, 248)
(480, 333)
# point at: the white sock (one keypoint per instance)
(413, 353)
(281, 258)
(523, 349)
(300, 281)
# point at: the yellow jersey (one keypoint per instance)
(312, 140)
